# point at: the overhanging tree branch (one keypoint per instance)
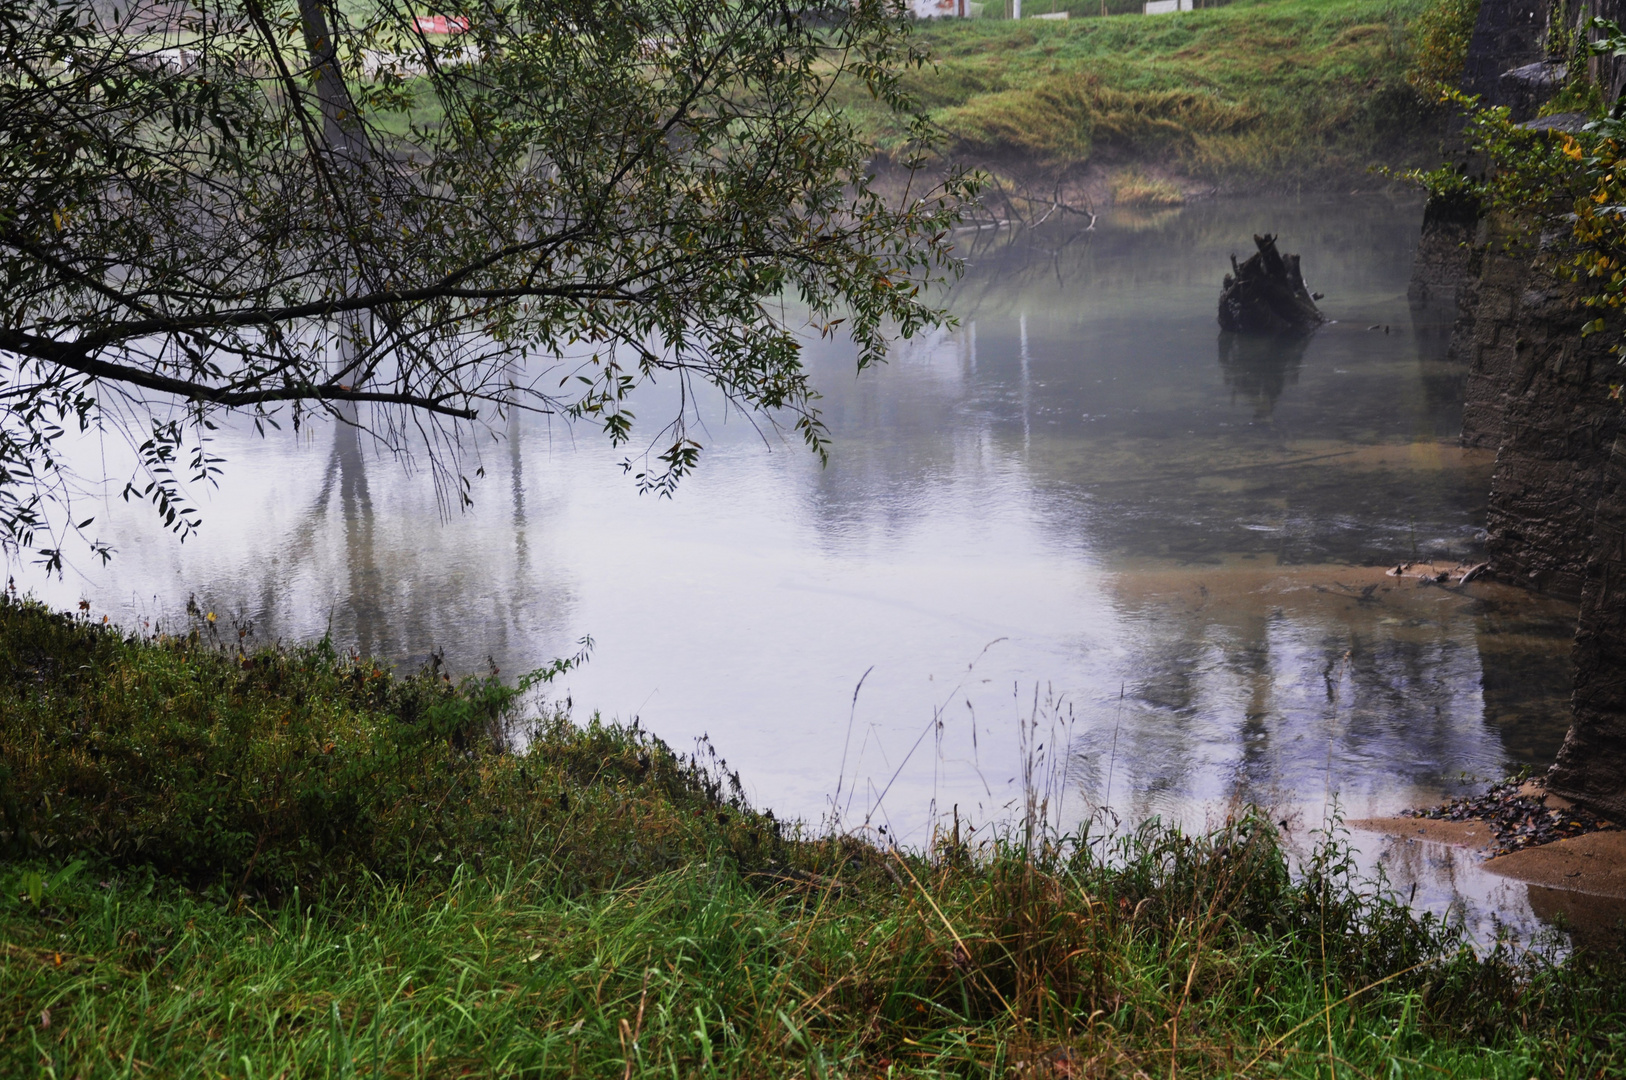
(277, 204)
(190, 390)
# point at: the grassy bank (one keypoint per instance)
(1262, 92)
(294, 864)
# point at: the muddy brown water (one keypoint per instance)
(1081, 538)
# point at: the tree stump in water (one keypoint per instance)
(1266, 294)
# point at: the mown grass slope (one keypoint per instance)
(284, 863)
(1282, 91)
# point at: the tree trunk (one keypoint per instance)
(1591, 766)
(341, 126)
(1266, 294)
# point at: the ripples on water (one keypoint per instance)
(1082, 503)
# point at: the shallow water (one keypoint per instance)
(1081, 537)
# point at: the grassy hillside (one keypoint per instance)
(1284, 90)
(230, 863)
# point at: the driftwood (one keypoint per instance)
(1266, 294)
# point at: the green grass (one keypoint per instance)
(1279, 91)
(1136, 191)
(273, 769)
(594, 905)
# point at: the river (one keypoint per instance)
(1078, 537)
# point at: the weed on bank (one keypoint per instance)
(292, 863)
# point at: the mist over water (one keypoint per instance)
(1082, 509)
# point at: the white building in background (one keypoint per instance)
(971, 9)
(943, 9)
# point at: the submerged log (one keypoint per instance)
(1266, 294)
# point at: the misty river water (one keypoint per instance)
(1080, 532)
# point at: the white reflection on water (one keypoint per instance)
(1081, 495)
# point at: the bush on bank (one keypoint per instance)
(279, 768)
(422, 898)
(1441, 34)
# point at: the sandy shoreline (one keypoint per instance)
(1594, 864)
(1577, 884)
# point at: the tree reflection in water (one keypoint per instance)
(1259, 367)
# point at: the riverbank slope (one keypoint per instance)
(1258, 95)
(290, 862)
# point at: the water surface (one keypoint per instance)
(1081, 533)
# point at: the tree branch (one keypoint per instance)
(80, 361)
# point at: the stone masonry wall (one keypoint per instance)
(1508, 34)
(1558, 428)
(1487, 326)
(1591, 767)
(1540, 393)
(1445, 251)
